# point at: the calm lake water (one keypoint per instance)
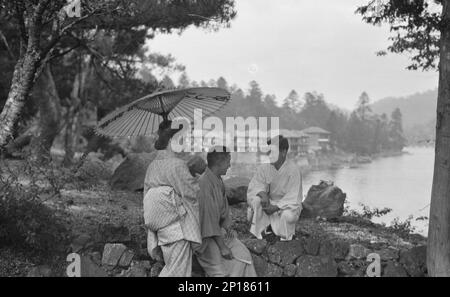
(402, 183)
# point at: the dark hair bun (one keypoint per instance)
(165, 133)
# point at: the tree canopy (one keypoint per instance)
(415, 26)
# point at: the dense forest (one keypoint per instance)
(361, 131)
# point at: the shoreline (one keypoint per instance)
(341, 160)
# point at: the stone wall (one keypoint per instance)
(314, 257)
(121, 252)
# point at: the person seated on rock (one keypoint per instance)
(274, 194)
(171, 212)
(221, 253)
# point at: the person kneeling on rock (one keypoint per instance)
(274, 194)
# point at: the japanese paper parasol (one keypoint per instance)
(143, 116)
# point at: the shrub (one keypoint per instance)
(28, 223)
(402, 228)
(25, 221)
(366, 212)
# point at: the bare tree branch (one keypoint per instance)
(3, 38)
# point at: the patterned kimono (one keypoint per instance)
(171, 213)
(214, 219)
(284, 187)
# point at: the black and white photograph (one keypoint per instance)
(241, 139)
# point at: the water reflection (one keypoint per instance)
(402, 183)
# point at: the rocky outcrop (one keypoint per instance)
(89, 268)
(130, 174)
(324, 200)
(93, 169)
(310, 256)
(415, 261)
(320, 248)
(316, 266)
(394, 269)
(112, 253)
(236, 189)
(357, 251)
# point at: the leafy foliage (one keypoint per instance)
(366, 212)
(403, 228)
(415, 27)
(25, 221)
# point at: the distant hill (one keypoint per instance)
(418, 110)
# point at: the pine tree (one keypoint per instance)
(396, 130)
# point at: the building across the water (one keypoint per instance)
(298, 141)
(318, 138)
(301, 142)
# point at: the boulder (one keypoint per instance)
(91, 269)
(114, 162)
(311, 245)
(316, 266)
(112, 253)
(79, 242)
(236, 189)
(338, 249)
(323, 200)
(126, 258)
(414, 261)
(285, 252)
(354, 268)
(93, 168)
(350, 269)
(136, 270)
(274, 271)
(389, 253)
(256, 246)
(394, 269)
(130, 174)
(289, 270)
(357, 251)
(274, 254)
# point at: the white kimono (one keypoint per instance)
(284, 187)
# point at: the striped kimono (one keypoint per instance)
(171, 213)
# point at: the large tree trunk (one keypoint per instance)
(71, 136)
(438, 252)
(72, 118)
(76, 110)
(49, 116)
(21, 85)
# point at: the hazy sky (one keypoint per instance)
(297, 44)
